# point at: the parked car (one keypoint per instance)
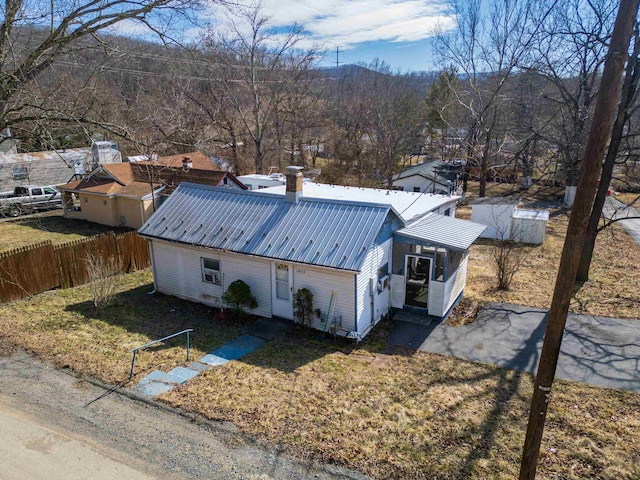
(25, 199)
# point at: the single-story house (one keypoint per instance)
(126, 194)
(359, 251)
(433, 176)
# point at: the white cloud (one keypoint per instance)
(348, 23)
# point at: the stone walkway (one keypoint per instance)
(258, 334)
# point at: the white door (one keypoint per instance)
(282, 290)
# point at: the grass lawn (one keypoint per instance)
(52, 226)
(612, 290)
(417, 416)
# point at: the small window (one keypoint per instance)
(211, 271)
(447, 212)
(36, 191)
(383, 271)
(416, 189)
(49, 191)
(20, 172)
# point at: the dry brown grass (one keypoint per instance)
(629, 198)
(418, 416)
(52, 226)
(611, 291)
(61, 326)
(615, 273)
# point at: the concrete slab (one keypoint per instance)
(268, 328)
(198, 367)
(153, 389)
(182, 374)
(239, 347)
(213, 360)
(595, 350)
(158, 376)
(411, 316)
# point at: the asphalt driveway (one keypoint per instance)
(599, 351)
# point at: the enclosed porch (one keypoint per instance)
(429, 268)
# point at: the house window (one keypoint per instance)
(210, 271)
(383, 277)
(20, 172)
(416, 189)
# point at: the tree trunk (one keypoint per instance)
(629, 88)
(484, 166)
(592, 159)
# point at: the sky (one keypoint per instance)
(399, 32)
(396, 31)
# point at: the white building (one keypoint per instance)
(359, 251)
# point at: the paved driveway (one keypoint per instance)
(595, 350)
(614, 209)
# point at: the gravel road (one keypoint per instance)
(139, 435)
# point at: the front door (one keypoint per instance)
(417, 276)
(282, 290)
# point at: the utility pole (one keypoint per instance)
(591, 165)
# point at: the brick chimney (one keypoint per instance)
(294, 184)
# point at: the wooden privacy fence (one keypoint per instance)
(36, 268)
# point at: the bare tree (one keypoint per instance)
(36, 35)
(484, 49)
(255, 71)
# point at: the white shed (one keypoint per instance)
(496, 214)
(529, 226)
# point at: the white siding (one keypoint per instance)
(443, 294)
(424, 184)
(376, 257)
(321, 282)
(178, 272)
(496, 217)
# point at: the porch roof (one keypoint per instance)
(441, 231)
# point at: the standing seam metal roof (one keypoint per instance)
(327, 233)
(440, 230)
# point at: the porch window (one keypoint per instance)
(210, 271)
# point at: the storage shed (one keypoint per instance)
(529, 226)
(496, 214)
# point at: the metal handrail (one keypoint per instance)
(135, 350)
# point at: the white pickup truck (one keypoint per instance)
(28, 199)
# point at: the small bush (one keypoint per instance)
(303, 306)
(239, 295)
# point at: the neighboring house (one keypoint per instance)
(258, 182)
(433, 176)
(359, 251)
(127, 194)
(54, 167)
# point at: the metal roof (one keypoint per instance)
(443, 231)
(322, 232)
(408, 205)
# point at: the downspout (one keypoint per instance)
(153, 270)
(142, 211)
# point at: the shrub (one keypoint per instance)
(303, 306)
(239, 295)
